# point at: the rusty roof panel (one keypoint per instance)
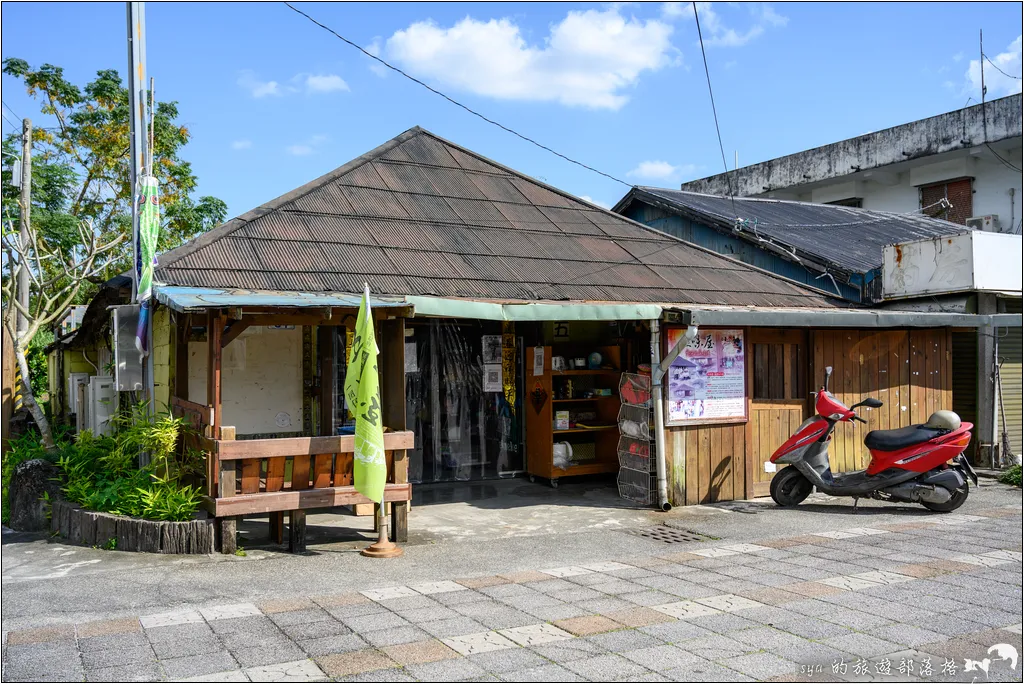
(422, 216)
(374, 203)
(428, 207)
(358, 259)
(497, 188)
(341, 229)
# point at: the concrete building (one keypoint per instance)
(971, 157)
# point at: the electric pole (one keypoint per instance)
(25, 221)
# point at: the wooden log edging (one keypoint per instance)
(90, 528)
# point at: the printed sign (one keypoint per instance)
(706, 381)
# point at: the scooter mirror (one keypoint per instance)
(872, 402)
(828, 374)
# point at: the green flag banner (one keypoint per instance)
(362, 390)
(149, 232)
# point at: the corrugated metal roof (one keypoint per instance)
(845, 236)
(422, 216)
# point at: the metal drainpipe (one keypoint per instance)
(659, 416)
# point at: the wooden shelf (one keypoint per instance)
(579, 430)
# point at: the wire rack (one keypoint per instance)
(635, 479)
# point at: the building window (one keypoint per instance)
(855, 202)
(958, 192)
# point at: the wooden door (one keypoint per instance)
(779, 397)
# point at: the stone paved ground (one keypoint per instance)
(907, 601)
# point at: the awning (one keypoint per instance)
(192, 299)
(532, 311)
(838, 318)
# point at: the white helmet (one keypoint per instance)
(943, 420)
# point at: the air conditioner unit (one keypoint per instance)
(102, 403)
(989, 223)
(74, 380)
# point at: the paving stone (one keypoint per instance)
(238, 640)
(226, 676)
(503, 591)
(588, 624)
(452, 628)
(177, 648)
(533, 635)
(561, 611)
(507, 660)
(179, 632)
(251, 625)
(863, 645)
(419, 652)
(385, 675)
(638, 617)
(112, 641)
(41, 635)
(198, 664)
(117, 656)
(136, 672)
(606, 668)
(648, 598)
(811, 628)
(672, 632)
(338, 600)
(439, 612)
(722, 622)
(286, 605)
(341, 664)
(296, 671)
(544, 673)
(447, 671)
(762, 665)
(855, 619)
(481, 642)
(624, 640)
(356, 610)
(173, 617)
(394, 636)
(107, 627)
(231, 611)
(267, 654)
(373, 621)
(409, 603)
(524, 576)
(604, 606)
(341, 643)
(388, 593)
(534, 599)
(295, 617)
(43, 661)
(661, 658)
(429, 588)
(571, 649)
(905, 635)
(481, 582)
(315, 630)
(715, 647)
(577, 594)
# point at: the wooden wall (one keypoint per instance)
(706, 463)
(909, 370)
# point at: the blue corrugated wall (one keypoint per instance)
(709, 238)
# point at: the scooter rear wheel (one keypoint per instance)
(955, 502)
(789, 487)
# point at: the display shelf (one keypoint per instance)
(587, 371)
(570, 431)
(566, 401)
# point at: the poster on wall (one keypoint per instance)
(706, 382)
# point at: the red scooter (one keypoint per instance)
(917, 464)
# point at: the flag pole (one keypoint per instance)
(383, 547)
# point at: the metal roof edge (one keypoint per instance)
(841, 318)
(531, 311)
(191, 299)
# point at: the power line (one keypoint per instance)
(17, 126)
(12, 111)
(456, 102)
(714, 110)
(1000, 70)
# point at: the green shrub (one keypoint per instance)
(102, 473)
(1011, 476)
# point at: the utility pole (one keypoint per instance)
(137, 119)
(25, 221)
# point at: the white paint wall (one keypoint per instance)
(261, 380)
(992, 183)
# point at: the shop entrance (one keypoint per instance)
(463, 388)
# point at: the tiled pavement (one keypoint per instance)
(890, 603)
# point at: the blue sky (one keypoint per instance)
(273, 101)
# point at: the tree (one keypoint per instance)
(81, 165)
(81, 204)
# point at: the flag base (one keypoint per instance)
(382, 548)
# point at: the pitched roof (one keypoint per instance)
(422, 216)
(849, 238)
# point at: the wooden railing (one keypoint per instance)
(296, 473)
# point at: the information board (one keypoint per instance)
(706, 382)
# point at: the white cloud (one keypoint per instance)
(375, 49)
(997, 84)
(714, 30)
(588, 59)
(257, 88)
(958, 57)
(299, 150)
(304, 149)
(241, 144)
(660, 170)
(323, 83)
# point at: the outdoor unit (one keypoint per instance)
(102, 404)
(988, 223)
(127, 360)
(74, 380)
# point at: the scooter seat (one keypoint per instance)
(900, 438)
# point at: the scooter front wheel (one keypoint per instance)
(789, 487)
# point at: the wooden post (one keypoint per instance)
(214, 329)
(393, 413)
(297, 531)
(226, 487)
(277, 527)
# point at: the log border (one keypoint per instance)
(92, 528)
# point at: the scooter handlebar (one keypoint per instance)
(860, 419)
